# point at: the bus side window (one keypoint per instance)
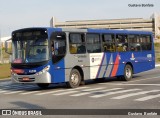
(108, 42)
(134, 43)
(122, 43)
(58, 46)
(77, 43)
(93, 43)
(146, 42)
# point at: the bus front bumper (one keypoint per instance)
(42, 78)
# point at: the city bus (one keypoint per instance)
(59, 55)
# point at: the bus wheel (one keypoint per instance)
(43, 85)
(128, 73)
(75, 79)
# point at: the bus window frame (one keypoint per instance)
(100, 39)
(116, 43)
(138, 35)
(151, 42)
(82, 43)
(53, 55)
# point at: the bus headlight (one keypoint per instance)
(17, 71)
(44, 70)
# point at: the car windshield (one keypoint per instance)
(30, 47)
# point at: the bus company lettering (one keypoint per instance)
(32, 71)
(95, 63)
(94, 59)
(82, 56)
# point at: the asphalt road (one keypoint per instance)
(142, 92)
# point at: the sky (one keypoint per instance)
(17, 14)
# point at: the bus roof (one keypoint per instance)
(90, 30)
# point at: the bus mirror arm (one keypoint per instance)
(6, 46)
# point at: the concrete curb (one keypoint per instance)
(5, 79)
(157, 65)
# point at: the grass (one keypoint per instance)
(157, 50)
(4, 71)
(5, 55)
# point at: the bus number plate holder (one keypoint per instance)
(25, 79)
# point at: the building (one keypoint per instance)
(149, 24)
(3, 39)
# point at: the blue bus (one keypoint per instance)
(56, 55)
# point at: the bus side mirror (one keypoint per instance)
(8, 46)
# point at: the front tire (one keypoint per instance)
(75, 79)
(128, 73)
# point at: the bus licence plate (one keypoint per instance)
(25, 79)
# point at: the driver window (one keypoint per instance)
(58, 46)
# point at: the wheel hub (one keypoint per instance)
(128, 73)
(74, 78)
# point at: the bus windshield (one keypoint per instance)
(30, 47)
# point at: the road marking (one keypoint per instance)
(50, 92)
(64, 93)
(112, 93)
(144, 79)
(123, 83)
(29, 92)
(86, 93)
(42, 91)
(148, 97)
(8, 93)
(134, 94)
(62, 90)
(2, 91)
(79, 88)
(136, 84)
(93, 89)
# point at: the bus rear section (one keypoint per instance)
(114, 53)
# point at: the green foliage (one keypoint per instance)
(5, 71)
(157, 45)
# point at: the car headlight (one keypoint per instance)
(46, 69)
